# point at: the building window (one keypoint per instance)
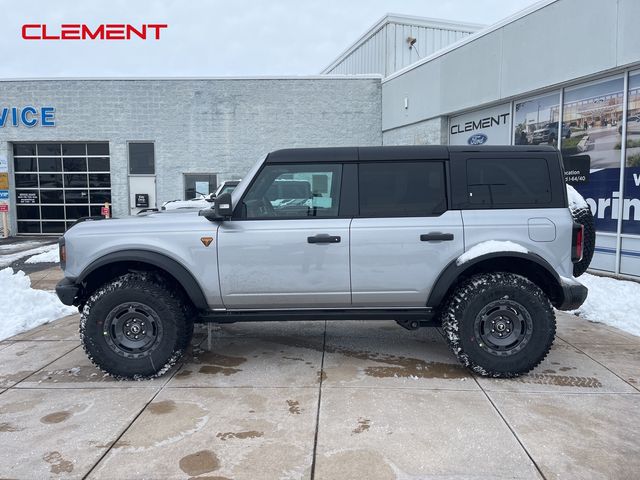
(141, 159)
(197, 184)
(57, 183)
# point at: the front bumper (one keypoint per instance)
(573, 294)
(67, 291)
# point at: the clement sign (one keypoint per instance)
(28, 116)
(81, 31)
(488, 126)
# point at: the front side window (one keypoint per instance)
(294, 191)
(401, 189)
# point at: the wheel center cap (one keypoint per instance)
(500, 327)
(135, 329)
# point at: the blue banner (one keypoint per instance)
(602, 192)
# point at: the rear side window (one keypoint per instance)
(508, 182)
(401, 189)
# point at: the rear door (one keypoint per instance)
(404, 234)
(290, 246)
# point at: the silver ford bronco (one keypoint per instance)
(478, 241)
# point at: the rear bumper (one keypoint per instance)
(574, 294)
(67, 291)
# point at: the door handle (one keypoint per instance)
(324, 238)
(436, 237)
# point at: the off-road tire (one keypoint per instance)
(136, 292)
(584, 217)
(461, 314)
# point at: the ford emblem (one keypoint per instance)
(477, 139)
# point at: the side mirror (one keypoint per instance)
(222, 209)
(222, 205)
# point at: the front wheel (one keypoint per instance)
(499, 324)
(135, 327)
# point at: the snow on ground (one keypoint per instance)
(612, 302)
(7, 259)
(52, 255)
(23, 307)
(490, 246)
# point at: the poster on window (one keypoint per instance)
(489, 126)
(536, 121)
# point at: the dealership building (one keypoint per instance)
(563, 72)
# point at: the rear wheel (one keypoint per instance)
(135, 326)
(499, 324)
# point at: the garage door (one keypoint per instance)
(57, 183)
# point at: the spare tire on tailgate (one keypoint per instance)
(581, 214)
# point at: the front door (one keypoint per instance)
(289, 248)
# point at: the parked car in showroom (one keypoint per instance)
(633, 125)
(549, 133)
(479, 241)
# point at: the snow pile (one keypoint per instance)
(612, 302)
(7, 259)
(490, 246)
(48, 256)
(575, 199)
(24, 308)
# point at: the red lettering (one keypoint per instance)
(81, 31)
(30, 26)
(70, 31)
(48, 37)
(140, 33)
(157, 27)
(87, 33)
(115, 31)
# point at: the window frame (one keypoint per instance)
(129, 143)
(459, 190)
(184, 182)
(445, 171)
(345, 209)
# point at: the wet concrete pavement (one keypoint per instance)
(323, 400)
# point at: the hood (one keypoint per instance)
(151, 222)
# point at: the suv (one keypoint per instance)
(549, 133)
(477, 240)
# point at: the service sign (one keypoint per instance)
(4, 181)
(489, 126)
(4, 164)
(4, 195)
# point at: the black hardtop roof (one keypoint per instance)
(404, 152)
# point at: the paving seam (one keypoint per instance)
(126, 429)
(535, 464)
(601, 364)
(513, 432)
(315, 436)
(44, 366)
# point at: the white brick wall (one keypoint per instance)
(207, 126)
(428, 132)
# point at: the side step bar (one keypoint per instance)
(422, 315)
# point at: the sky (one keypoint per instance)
(211, 37)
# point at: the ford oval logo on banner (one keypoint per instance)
(477, 139)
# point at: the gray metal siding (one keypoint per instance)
(387, 51)
(557, 43)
